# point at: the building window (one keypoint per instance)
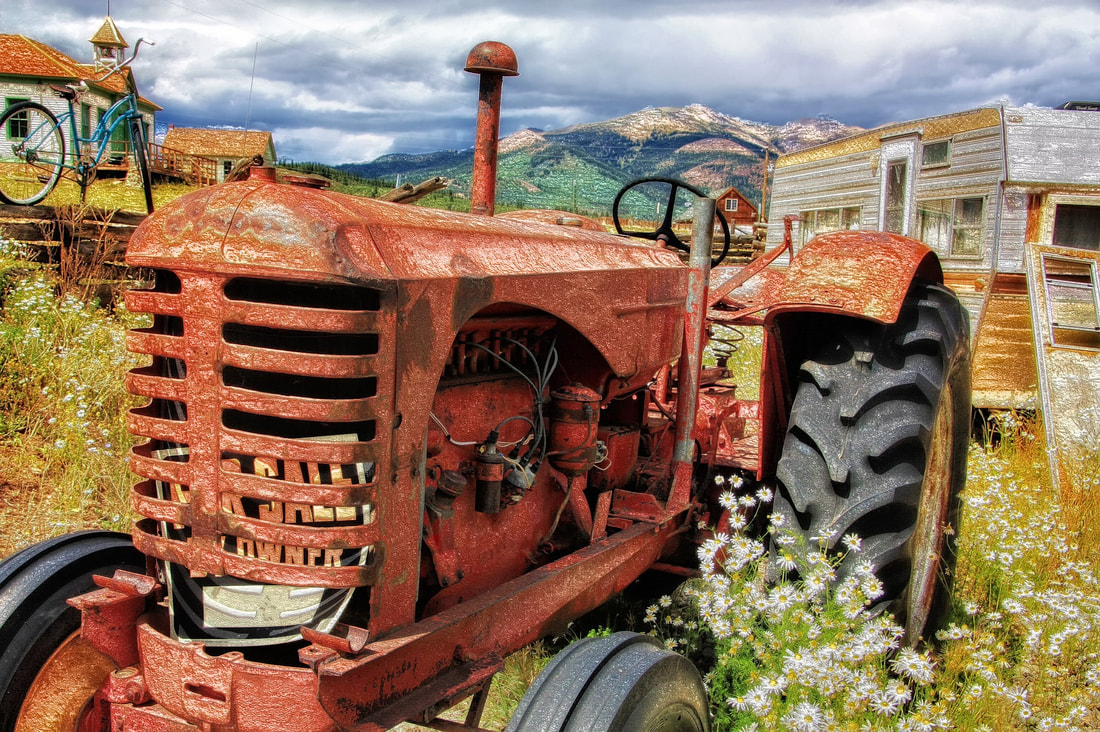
(1077, 226)
(952, 226)
(731, 204)
(227, 166)
(825, 220)
(896, 173)
(936, 154)
(85, 121)
(17, 125)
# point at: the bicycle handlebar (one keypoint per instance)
(127, 62)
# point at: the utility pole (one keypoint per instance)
(762, 214)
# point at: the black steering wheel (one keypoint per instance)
(664, 231)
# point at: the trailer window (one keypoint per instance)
(1071, 299)
(936, 154)
(895, 197)
(1077, 226)
(952, 226)
(825, 220)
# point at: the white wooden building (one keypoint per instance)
(28, 68)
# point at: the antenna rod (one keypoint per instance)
(248, 113)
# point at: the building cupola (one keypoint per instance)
(108, 44)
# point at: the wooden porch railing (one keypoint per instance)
(194, 169)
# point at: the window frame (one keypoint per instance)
(945, 163)
(811, 216)
(950, 210)
(1067, 205)
(85, 120)
(1078, 336)
(731, 209)
(8, 103)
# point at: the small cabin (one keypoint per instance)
(737, 209)
(227, 147)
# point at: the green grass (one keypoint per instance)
(63, 441)
(113, 193)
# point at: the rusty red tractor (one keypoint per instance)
(385, 446)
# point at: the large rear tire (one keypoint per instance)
(625, 682)
(47, 672)
(876, 446)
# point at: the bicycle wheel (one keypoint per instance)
(141, 158)
(33, 154)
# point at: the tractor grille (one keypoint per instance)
(268, 400)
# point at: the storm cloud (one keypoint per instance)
(348, 81)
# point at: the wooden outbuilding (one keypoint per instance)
(227, 147)
(738, 210)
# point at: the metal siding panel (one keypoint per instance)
(845, 181)
(1046, 145)
(1013, 227)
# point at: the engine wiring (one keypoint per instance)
(536, 437)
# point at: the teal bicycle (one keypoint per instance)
(33, 145)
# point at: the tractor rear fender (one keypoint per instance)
(864, 275)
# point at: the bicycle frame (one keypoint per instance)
(44, 147)
(121, 111)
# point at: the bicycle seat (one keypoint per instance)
(66, 92)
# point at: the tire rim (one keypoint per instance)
(926, 545)
(62, 691)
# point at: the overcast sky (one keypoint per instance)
(342, 81)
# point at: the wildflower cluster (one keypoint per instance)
(62, 408)
(797, 645)
(13, 250)
(1025, 651)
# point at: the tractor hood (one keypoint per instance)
(262, 228)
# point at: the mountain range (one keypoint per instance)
(583, 166)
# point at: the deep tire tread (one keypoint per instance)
(869, 433)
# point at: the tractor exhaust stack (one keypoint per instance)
(492, 61)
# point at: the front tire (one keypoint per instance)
(28, 176)
(47, 671)
(625, 682)
(141, 159)
(876, 447)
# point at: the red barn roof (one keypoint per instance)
(218, 143)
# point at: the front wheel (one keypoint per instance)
(33, 155)
(625, 682)
(48, 673)
(141, 158)
(876, 447)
